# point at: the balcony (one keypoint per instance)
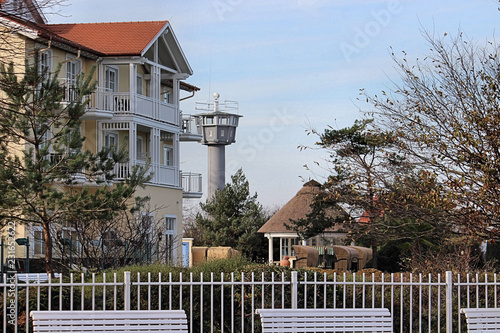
(191, 131)
(191, 185)
(99, 102)
(162, 174)
(104, 104)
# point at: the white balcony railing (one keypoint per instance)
(192, 185)
(191, 131)
(168, 175)
(162, 174)
(104, 103)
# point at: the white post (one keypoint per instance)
(126, 291)
(270, 249)
(294, 289)
(449, 302)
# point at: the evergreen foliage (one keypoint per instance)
(47, 178)
(232, 218)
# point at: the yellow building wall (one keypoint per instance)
(165, 201)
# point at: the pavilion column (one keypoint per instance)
(270, 256)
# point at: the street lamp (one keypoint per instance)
(25, 242)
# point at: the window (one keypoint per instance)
(168, 155)
(45, 137)
(142, 153)
(170, 231)
(147, 226)
(38, 241)
(73, 69)
(111, 78)
(69, 239)
(139, 84)
(287, 246)
(110, 139)
(167, 96)
(45, 62)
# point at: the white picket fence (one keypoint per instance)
(227, 302)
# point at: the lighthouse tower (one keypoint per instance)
(218, 124)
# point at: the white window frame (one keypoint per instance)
(34, 243)
(45, 61)
(170, 238)
(76, 245)
(168, 155)
(167, 96)
(139, 83)
(112, 85)
(110, 134)
(151, 228)
(73, 68)
(286, 246)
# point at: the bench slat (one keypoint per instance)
(139, 321)
(325, 320)
(482, 319)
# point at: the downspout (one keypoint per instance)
(49, 44)
(72, 59)
(188, 97)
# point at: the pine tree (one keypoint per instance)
(232, 218)
(42, 156)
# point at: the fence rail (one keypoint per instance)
(227, 302)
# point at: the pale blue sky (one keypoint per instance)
(291, 64)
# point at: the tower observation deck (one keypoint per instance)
(218, 122)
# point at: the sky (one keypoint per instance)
(293, 66)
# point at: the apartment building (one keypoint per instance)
(140, 73)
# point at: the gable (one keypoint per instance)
(128, 39)
(26, 9)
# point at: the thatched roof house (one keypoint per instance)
(298, 207)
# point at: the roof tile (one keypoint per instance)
(113, 38)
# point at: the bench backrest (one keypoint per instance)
(138, 321)
(325, 320)
(482, 320)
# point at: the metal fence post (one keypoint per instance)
(126, 290)
(294, 288)
(449, 302)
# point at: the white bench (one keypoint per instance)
(35, 277)
(482, 320)
(325, 320)
(139, 321)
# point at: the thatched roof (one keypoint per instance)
(298, 207)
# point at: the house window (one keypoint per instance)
(170, 231)
(147, 234)
(167, 96)
(142, 154)
(111, 139)
(45, 62)
(38, 241)
(147, 227)
(111, 78)
(69, 239)
(139, 84)
(168, 155)
(73, 69)
(287, 246)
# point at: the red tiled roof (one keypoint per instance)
(118, 38)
